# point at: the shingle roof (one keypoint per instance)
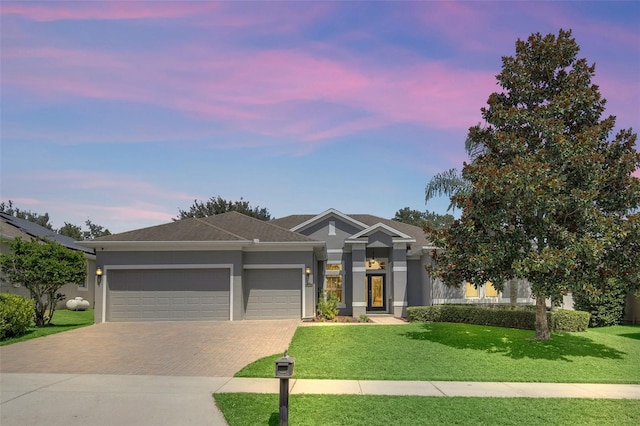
(23, 227)
(230, 226)
(412, 230)
(370, 220)
(289, 222)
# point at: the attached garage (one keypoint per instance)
(168, 294)
(273, 293)
(225, 267)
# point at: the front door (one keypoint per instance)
(376, 293)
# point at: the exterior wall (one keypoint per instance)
(427, 280)
(442, 294)
(358, 275)
(380, 239)
(237, 259)
(399, 271)
(334, 231)
(346, 307)
(320, 231)
(416, 285)
(165, 258)
(336, 252)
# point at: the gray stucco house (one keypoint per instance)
(233, 267)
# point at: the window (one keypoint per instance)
(470, 290)
(333, 280)
(84, 285)
(332, 227)
(490, 290)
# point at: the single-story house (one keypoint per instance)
(12, 227)
(233, 267)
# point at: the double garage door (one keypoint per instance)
(201, 294)
(168, 294)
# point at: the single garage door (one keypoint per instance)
(273, 293)
(168, 295)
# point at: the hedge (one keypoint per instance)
(16, 314)
(500, 316)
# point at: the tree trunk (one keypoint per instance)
(542, 328)
(513, 292)
(39, 314)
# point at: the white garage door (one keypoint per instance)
(273, 293)
(168, 295)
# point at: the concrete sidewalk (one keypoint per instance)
(481, 389)
(94, 399)
(108, 400)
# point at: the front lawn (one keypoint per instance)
(262, 409)
(459, 352)
(63, 320)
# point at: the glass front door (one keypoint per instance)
(376, 293)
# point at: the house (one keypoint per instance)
(233, 267)
(12, 227)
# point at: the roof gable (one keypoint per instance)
(392, 232)
(326, 214)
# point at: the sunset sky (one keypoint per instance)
(125, 112)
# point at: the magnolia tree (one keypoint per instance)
(43, 267)
(552, 198)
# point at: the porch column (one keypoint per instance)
(399, 279)
(359, 274)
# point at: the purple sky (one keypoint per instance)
(124, 112)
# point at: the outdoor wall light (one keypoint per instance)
(99, 274)
(307, 271)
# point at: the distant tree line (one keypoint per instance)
(76, 232)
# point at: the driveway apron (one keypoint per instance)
(194, 348)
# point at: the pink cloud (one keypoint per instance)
(250, 90)
(106, 10)
(273, 92)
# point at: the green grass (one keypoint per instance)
(262, 409)
(63, 320)
(459, 352)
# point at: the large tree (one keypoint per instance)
(551, 198)
(426, 219)
(218, 205)
(43, 267)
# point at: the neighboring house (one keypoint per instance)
(12, 227)
(233, 267)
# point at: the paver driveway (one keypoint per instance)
(194, 348)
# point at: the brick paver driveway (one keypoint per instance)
(151, 348)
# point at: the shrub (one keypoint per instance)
(563, 320)
(16, 315)
(605, 304)
(498, 315)
(328, 306)
(364, 318)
